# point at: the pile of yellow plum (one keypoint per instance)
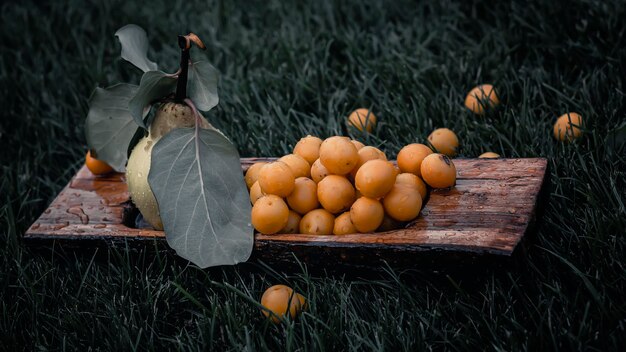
(340, 186)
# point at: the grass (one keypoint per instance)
(291, 69)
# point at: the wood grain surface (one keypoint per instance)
(488, 212)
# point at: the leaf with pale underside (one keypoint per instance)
(109, 126)
(135, 47)
(202, 85)
(196, 177)
(154, 85)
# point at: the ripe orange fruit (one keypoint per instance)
(97, 167)
(298, 165)
(318, 171)
(362, 119)
(410, 158)
(276, 178)
(367, 214)
(252, 175)
(344, 225)
(282, 300)
(403, 202)
(480, 97)
(444, 141)
(335, 193)
(414, 181)
(438, 171)
(488, 155)
(366, 154)
(317, 222)
(269, 214)
(308, 148)
(293, 223)
(567, 127)
(255, 192)
(303, 199)
(375, 178)
(338, 155)
(357, 144)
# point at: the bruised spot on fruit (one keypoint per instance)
(438, 171)
(445, 159)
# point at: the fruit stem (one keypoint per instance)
(181, 86)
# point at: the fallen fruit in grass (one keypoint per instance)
(414, 181)
(438, 171)
(293, 223)
(308, 148)
(410, 157)
(270, 214)
(252, 175)
(318, 171)
(335, 193)
(488, 155)
(303, 199)
(343, 225)
(444, 141)
(338, 155)
(277, 178)
(317, 222)
(480, 97)
(366, 154)
(255, 192)
(298, 165)
(375, 178)
(281, 300)
(97, 167)
(362, 119)
(567, 127)
(403, 202)
(367, 214)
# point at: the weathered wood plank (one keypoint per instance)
(487, 212)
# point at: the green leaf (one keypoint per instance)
(202, 85)
(135, 47)
(109, 126)
(196, 177)
(154, 85)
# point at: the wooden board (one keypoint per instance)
(491, 208)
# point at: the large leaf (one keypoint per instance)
(202, 85)
(135, 47)
(203, 200)
(110, 127)
(154, 85)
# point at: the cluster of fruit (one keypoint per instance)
(340, 186)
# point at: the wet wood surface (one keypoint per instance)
(491, 208)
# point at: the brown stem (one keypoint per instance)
(181, 86)
(184, 43)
